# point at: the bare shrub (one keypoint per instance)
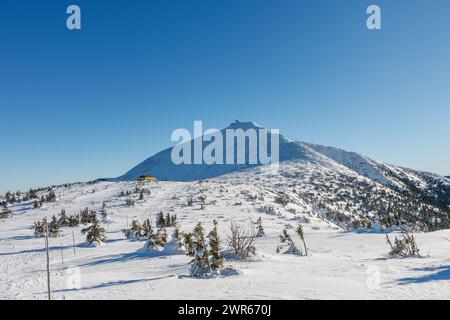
(241, 239)
(404, 247)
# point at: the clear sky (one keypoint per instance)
(78, 105)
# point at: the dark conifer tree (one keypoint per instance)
(147, 229)
(32, 194)
(189, 244)
(40, 228)
(84, 216)
(6, 212)
(161, 237)
(285, 237)
(95, 234)
(164, 238)
(300, 233)
(74, 220)
(53, 228)
(179, 238)
(151, 242)
(160, 221)
(201, 264)
(63, 219)
(51, 197)
(167, 220)
(136, 229)
(214, 248)
(199, 236)
(173, 220)
(259, 228)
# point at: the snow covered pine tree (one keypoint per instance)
(214, 249)
(95, 234)
(200, 265)
(259, 228)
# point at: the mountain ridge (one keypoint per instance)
(289, 150)
(428, 187)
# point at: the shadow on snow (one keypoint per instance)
(441, 273)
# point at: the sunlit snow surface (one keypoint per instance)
(341, 264)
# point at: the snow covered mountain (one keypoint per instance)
(426, 187)
(326, 190)
(162, 167)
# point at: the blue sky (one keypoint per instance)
(77, 105)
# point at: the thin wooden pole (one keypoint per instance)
(73, 243)
(62, 253)
(48, 262)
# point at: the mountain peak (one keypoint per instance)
(237, 124)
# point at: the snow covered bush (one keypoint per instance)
(207, 260)
(289, 245)
(214, 249)
(95, 234)
(259, 228)
(51, 197)
(63, 219)
(53, 228)
(167, 221)
(105, 216)
(150, 244)
(160, 221)
(161, 237)
(404, 247)
(173, 247)
(74, 220)
(155, 243)
(282, 198)
(189, 244)
(87, 216)
(37, 204)
(178, 236)
(6, 212)
(269, 210)
(147, 229)
(200, 265)
(241, 240)
(304, 219)
(135, 232)
(301, 235)
(40, 228)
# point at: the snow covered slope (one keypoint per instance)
(346, 202)
(340, 264)
(428, 188)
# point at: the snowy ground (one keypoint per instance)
(340, 265)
